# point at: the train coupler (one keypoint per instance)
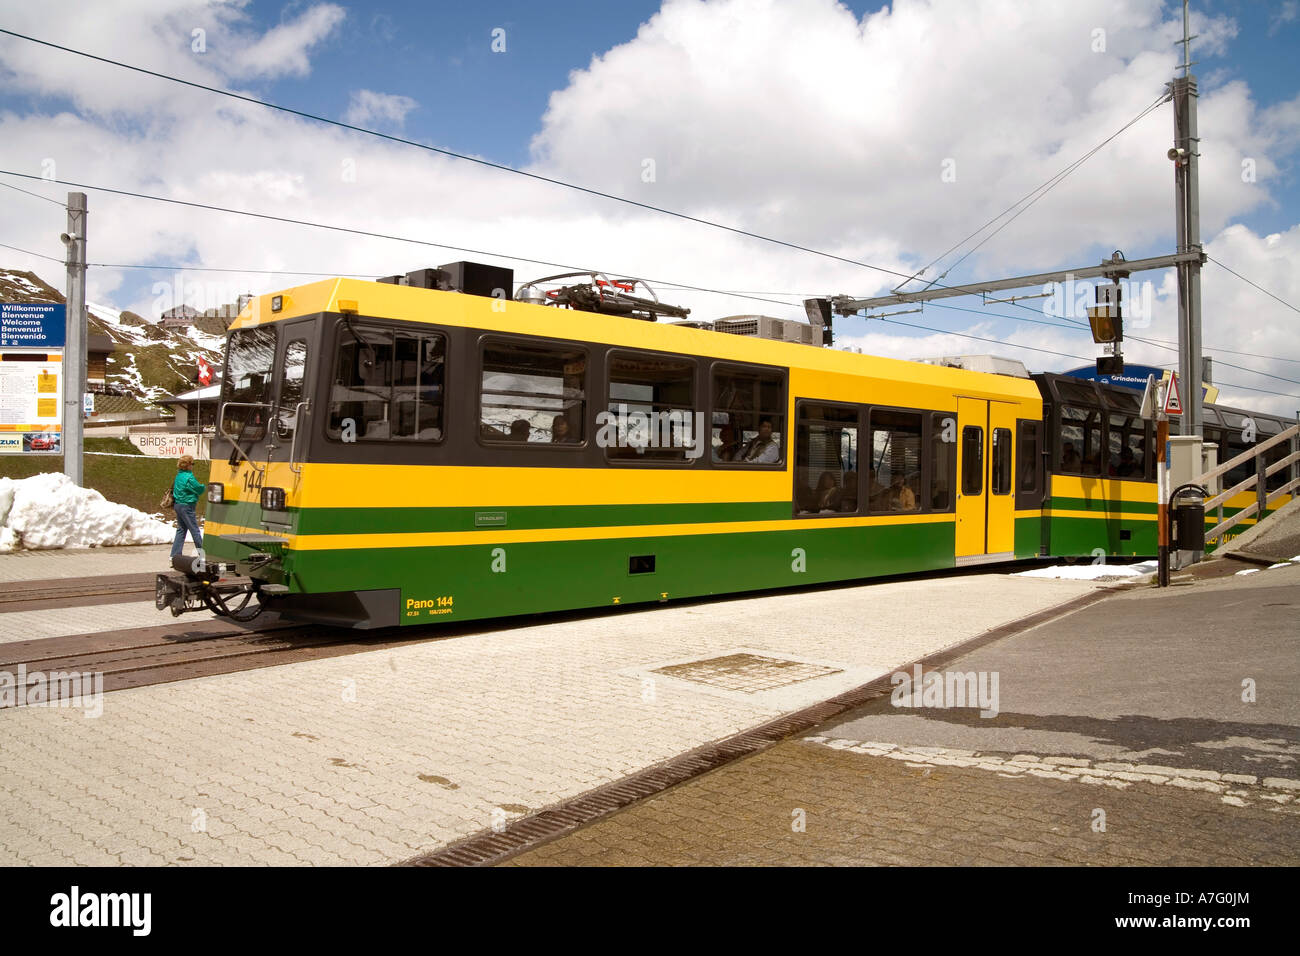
(198, 585)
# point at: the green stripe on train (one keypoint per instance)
(1071, 537)
(530, 577)
(383, 520)
(1083, 536)
(1115, 505)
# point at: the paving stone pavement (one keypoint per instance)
(1156, 728)
(376, 757)
(800, 803)
(17, 566)
(89, 619)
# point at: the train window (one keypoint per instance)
(1127, 442)
(1001, 479)
(742, 402)
(534, 395)
(826, 460)
(1267, 428)
(388, 386)
(1271, 457)
(292, 378)
(1028, 460)
(943, 459)
(1231, 448)
(1079, 392)
(894, 472)
(1080, 441)
(250, 359)
(651, 410)
(972, 460)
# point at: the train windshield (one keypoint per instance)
(250, 358)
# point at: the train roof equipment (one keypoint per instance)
(602, 295)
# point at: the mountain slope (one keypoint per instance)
(148, 361)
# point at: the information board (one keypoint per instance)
(31, 389)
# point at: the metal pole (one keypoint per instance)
(74, 352)
(1162, 499)
(1188, 220)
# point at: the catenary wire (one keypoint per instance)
(1256, 285)
(1042, 190)
(36, 195)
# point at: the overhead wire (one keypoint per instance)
(36, 195)
(453, 154)
(1256, 285)
(29, 252)
(1042, 190)
(1037, 193)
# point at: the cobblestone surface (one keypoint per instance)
(375, 757)
(1170, 716)
(859, 809)
(90, 619)
(72, 564)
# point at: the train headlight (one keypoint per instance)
(272, 499)
(216, 492)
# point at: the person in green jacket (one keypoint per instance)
(186, 490)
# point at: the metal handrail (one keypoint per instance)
(298, 415)
(1245, 456)
(1248, 483)
(1252, 509)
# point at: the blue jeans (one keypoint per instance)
(187, 521)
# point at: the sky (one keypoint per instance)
(883, 135)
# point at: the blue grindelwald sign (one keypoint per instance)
(33, 325)
(1135, 376)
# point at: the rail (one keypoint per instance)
(1258, 481)
(299, 417)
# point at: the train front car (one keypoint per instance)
(257, 482)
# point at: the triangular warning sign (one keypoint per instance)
(1173, 404)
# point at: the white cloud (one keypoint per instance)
(283, 50)
(1287, 12)
(368, 108)
(791, 118)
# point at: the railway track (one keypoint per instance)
(189, 648)
(62, 592)
(141, 657)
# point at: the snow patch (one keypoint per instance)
(1091, 572)
(49, 511)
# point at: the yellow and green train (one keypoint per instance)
(392, 454)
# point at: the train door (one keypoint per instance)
(292, 382)
(985, 487)
(972, 514)
(1001, 531)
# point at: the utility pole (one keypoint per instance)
(1187, 201)
(74, 351)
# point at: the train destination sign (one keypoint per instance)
(33, 325)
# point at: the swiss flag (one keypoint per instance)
(205, 372)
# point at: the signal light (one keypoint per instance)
(272, 499)
(1105, 326)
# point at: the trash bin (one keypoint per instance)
(1189, 524)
